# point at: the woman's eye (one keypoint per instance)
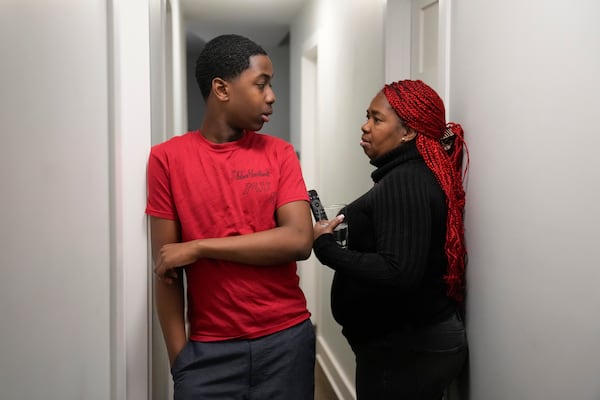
(374, 118)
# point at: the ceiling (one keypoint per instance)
(264, 21)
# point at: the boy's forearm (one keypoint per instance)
(170, 310)
(290, 241)
(275, 246)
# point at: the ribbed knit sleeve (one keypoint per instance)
(402, 211)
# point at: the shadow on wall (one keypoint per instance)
(195, 102)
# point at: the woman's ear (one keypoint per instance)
(220, 89)
(409, 135)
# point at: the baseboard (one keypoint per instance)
(341, 385)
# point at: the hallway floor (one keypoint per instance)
(323, 390)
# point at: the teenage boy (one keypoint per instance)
(230, 206)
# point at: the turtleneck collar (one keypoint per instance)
(388, 161)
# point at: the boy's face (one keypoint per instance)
(251, 96)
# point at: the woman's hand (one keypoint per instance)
(171, 256)
(323, 226)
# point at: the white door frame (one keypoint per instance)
(398, 35)
(128, 51)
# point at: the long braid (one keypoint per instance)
(420, 107)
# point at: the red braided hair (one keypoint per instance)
(421, 109)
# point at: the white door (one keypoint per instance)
(425, 42)
(430, 45)
(417, 42)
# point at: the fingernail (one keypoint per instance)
(341, 217)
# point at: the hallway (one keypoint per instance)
(93, 84)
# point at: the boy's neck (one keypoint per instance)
(220, 133)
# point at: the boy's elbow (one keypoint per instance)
(305, 247)
(304, 253)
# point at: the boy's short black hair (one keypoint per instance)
(225, 57)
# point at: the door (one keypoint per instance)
(425, 42)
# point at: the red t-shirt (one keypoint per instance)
(219, 190)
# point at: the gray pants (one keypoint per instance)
(277, 366)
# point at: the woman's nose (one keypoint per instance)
(364, 127)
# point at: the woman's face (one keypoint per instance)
(383, 131)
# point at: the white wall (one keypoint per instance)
(169, 118)
(129, 142)
(54, 291)
(178, 60)
(75, 115)
(350, 70)
(279, 124)
(160, 22)
(397, 40)
(195, 102)
(524, 84)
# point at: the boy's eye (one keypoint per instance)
(262, 85)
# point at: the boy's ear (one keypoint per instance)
(220, 89)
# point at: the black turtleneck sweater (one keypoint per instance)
(391, 275)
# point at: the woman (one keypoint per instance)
(399, 285)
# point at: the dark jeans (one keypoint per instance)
(412, 364)
(278, 366)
